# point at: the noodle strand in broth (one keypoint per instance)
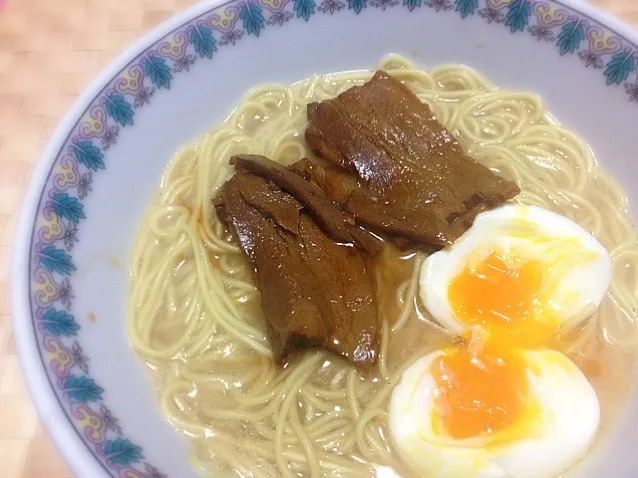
(194, 313)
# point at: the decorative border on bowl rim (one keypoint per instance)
(60, 210)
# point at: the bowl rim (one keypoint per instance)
(77, 456)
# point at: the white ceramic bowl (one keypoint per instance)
(69, 278)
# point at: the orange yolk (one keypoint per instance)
(478, 396)
(502, 295)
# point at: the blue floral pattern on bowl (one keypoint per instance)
(85, 153)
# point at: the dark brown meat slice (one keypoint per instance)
(418, 181)
(272, 201)
(330, 217)
(346, 189)
(314, 291)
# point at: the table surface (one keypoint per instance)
(49, 51)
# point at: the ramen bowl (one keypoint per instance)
(98, 174)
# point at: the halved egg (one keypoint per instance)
(520, 272)
(515, 414)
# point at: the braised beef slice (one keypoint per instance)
(418, 181)
(329, 216)
(340, 185)
(314, 292)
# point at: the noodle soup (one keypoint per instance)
(194, 313)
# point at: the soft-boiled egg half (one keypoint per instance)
(520, 272)
(514, 414)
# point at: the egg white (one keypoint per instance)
(565, 430)
(581, 289)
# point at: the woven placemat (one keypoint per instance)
(49, 51)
